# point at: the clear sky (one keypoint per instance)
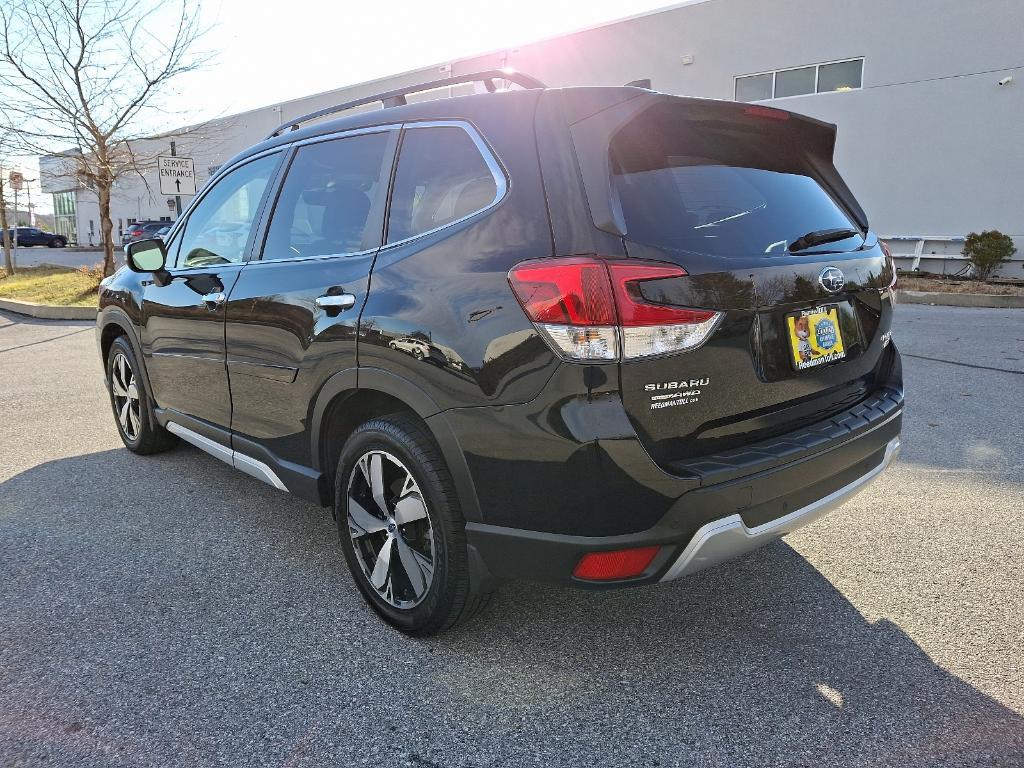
(265, 53)
(272, 53)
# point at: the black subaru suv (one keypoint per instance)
(593, 336)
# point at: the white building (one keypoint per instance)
(928, 96)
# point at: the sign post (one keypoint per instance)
(17, 179)
(177, 176)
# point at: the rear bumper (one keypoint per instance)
(724, 539)
(739, 510)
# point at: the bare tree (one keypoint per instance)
(5, 233)
(88, 73)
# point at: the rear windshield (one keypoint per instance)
(723, 188)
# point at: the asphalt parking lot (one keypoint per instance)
(63, 257)
(171, 611)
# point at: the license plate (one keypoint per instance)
(815, 338)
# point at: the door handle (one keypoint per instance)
(334, 305)
(214, 300)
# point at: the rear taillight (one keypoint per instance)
(591, 309)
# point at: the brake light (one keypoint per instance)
(768, 113)
(617, 564)
(586, 307)
(571, 291)
(570, 301)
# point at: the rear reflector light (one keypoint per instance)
(617, 564)
(591, 309)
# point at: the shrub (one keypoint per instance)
(986, 251)
(94, 273)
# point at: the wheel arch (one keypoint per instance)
(354, 396)
(112, 324)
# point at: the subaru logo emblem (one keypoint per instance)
(832, 279)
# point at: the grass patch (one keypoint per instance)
(60, 286)
(934, 285)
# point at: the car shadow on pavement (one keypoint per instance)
(138, 606)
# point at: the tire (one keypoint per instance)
(56, 243)
(432, 538)
(133, 411)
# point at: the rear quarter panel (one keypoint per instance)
(450, 288)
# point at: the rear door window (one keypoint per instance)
(442, 177)
(331, 202)
(719, 188)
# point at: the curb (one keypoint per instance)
(960, 299)
(48, 311)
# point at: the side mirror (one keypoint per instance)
(146, 255)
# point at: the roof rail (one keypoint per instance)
(397, 98)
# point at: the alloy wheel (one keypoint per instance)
(126, 397)
(390, 528)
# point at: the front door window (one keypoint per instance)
(218, 229)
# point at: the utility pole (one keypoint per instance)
(14, 250)
(177, 198)
(5, 230)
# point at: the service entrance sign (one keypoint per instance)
(177, 175)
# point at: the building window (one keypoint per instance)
(64, 216)
(841, 76)
(794, 82)
(754, 87)
(800, 81)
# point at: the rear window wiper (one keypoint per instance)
(820, 237)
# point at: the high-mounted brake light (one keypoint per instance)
(768, 113)
(587, 307)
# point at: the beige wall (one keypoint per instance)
(931, 144)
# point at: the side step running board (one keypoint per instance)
(246, 464)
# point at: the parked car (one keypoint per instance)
(671, 319)
(141, 230)
(415, 347)
(28, 236)
(162, 232)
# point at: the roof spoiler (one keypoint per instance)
(594, 128)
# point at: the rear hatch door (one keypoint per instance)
(747, 201)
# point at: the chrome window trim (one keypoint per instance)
(498, 173)
(346, 133)
(321, 257)
(490, 158)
